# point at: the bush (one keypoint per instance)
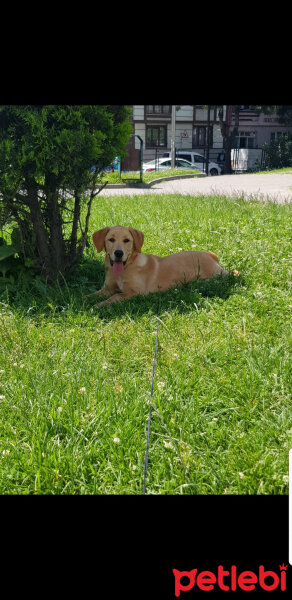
(278, 153)
(46, 178)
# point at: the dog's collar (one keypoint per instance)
(134, 257)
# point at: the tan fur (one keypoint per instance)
(214, 255)
(144, 273)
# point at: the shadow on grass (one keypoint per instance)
(41, 298)
(183, 299)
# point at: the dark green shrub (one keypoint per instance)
(278, 154)
(47, 155)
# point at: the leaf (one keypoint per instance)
(29, 262)
(6, 251)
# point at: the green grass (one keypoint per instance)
(75, 379)
(285, 170)
(146, 177)
(168, 173)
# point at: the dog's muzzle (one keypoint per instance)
(118, 264)
(118, 254)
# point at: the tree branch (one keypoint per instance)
(93, 194)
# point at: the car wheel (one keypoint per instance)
(213, 172)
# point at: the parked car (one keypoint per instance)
(165, 163)
(197, 160)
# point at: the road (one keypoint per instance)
(276, 187)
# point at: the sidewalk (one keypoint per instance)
(276, 187)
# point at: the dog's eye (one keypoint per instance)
(126, 241)
(111, 239)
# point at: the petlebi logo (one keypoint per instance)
(230, 580)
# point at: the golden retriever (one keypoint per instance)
(130, 272)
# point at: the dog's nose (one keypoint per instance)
(118, 253)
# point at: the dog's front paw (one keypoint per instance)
(101, 292)
(114, 298)
(104, 302)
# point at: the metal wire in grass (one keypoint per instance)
(150, 409)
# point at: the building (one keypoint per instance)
(255, 129)
(153, 124)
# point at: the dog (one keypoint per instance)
(130, 272)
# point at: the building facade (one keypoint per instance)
(152, 123)
(255, 130)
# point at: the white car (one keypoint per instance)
(197, 160)
(165, 163)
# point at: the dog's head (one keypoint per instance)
(120, 244)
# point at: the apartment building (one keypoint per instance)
(152, 123)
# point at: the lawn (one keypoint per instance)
(75, 379)
(147, 177)
(282, 170)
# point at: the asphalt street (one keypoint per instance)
(276, 187)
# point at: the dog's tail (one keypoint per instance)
(213, 255)
(234, 272)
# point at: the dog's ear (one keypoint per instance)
(138, 237)
(99, 237)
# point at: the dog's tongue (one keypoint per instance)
(118, 268)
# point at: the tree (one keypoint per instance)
(229, 132)
(278, 153)
(285, 115)
(51, 159)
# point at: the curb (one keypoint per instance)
(122, 186)
(173, 177)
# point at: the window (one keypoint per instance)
(155, 136)
(186, 156)
(247, 107)
(199, 159)
(246, 139)
(276, 136)
(157, 109)
(200, 136)
(182, 164)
